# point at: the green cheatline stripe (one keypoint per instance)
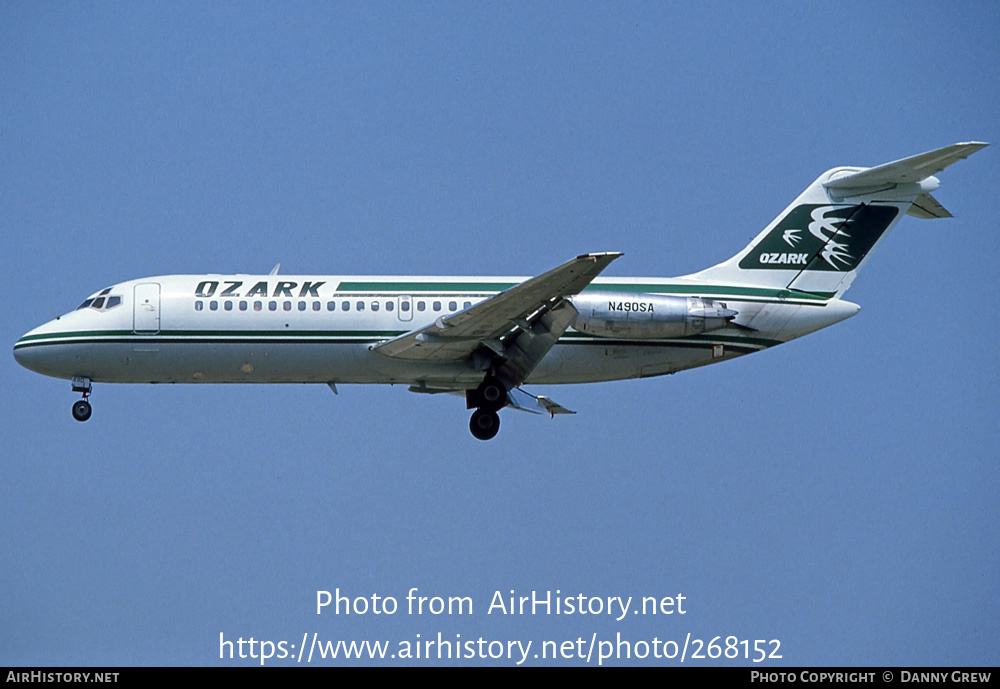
(413, 287)
(406, 287)
(665, 345)
(212, 333)
(306, 336)
(659, 344)
(201, 340)
(715, 289)
(706, 338)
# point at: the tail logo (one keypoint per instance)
(821, 238)
(835, 248)
(792, 237)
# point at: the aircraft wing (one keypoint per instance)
(518, 325)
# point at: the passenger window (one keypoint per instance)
(420, 306)
(287, 306)
(405, 306)
(467, 304)
(331, 306)
(272, 306)
(229, 305)
(198, 306)
(214, 305)
(257, 306)
(315, 306)
(243, 306)
(453, 306)
(437, 306)
(361, 306)
(346, 306)
(302, 306)
(389, 306)
(374, 306)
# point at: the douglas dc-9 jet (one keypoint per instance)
(483, 338)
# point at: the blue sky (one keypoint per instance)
(837, 493)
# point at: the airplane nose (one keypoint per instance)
(18, 356)
(23, 351)
(30, 351)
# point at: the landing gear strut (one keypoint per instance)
(81, 408)
(489, 398)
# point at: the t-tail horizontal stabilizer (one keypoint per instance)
(916, 170)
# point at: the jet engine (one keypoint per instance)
(617, 314)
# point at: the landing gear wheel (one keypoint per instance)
(485, 424)
(82, 410)
(493, 394)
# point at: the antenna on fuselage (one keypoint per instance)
(274, 271)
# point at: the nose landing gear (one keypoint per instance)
(81, 408)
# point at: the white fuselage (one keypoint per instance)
(321, 329)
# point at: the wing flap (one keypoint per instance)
(529, 345)
(525, 401)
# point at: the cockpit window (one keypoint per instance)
(102, 302)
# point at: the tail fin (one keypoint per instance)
(820, 242)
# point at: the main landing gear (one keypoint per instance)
(81, 408)
(489, 398)
(485, 424)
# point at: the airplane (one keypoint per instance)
(483, 338)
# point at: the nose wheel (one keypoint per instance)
(81, 408)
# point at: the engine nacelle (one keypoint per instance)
(616, 314)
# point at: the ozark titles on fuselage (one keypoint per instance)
(283, 288)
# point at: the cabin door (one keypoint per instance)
(146, 308)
